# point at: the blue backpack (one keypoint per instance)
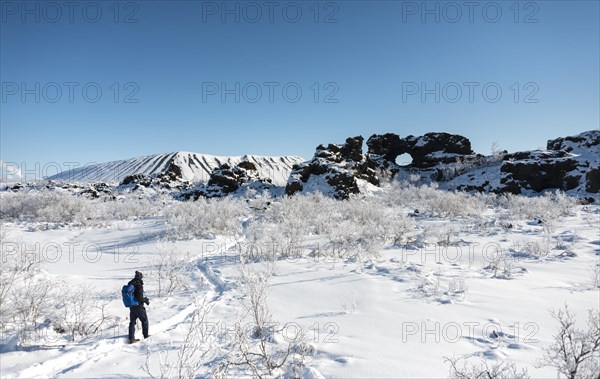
(128, 296)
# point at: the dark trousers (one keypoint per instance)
(135, 313)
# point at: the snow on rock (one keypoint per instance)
(227, 179)
(539, 170)
(571, 164)
(581, 143)
(334, 170)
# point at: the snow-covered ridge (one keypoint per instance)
(194, 167)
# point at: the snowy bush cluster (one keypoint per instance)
(291, 227)
(358, 228)
(51, 207)
(62, 208)
(204, 218)
(547, 208)
(430, 200)
(344, 229)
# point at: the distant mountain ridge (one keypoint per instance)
(194, 167)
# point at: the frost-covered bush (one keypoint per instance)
(292, 216)
(502, 265)
(31, 301)
(347, 238)
(397, 228)
(129, 207)
(430, 200)
(281, 229)
(63, 207)
(457, 288)
(192, 355)
(357, 227)
(263, 242)
(483, 369)
(37, 303)
(452, 204)
(205, 218)
(574, 352)
(307, 213)
(54, 207)
(16, 270)
(548, 208)
(595, 275)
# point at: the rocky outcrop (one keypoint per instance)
(427, 151)
(592, 180)
(227, 179)
(584, 142)
(537, 171)
(570, 164)
(97, 190)
(169, 179)
(335, 169)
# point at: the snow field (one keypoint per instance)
(378, 288)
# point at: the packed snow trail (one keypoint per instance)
(77, 355)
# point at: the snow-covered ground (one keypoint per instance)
(449, 280)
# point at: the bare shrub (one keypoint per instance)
(194, 350)
(30, 300)
(502, 265)
(457, 289)
(170, 269)
(257, 350)
(484, 370)
(79, 311)
(574, 352)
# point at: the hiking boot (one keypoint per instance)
(133, 340)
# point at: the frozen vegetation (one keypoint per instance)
(403, 281)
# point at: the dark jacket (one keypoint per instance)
(138, 292)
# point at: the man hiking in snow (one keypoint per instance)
(138, 311)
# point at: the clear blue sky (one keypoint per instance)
(370, 53)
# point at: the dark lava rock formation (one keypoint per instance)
(426, 151)
(335, 170)
(228, 179)
(569, 164)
